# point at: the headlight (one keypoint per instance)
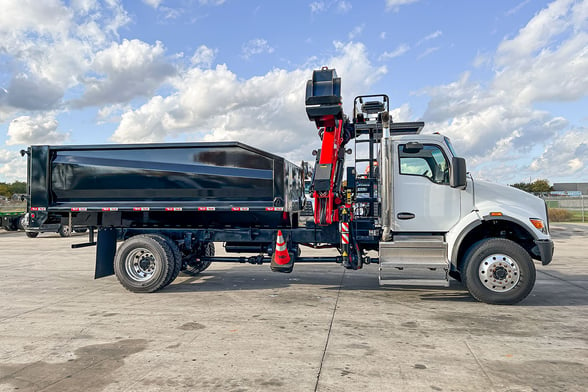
(539, 225)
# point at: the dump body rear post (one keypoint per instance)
(153, 210)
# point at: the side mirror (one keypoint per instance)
(458, 173)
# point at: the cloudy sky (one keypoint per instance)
(506, 80)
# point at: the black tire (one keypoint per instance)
(32, 234)
(64, 231)
(22, 222)
(194, 266)
(175, 262)
(498, 271)
(142, 264)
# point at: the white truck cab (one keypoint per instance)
(442, 221)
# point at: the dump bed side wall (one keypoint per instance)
(219, 175)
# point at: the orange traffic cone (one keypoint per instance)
(281, 259)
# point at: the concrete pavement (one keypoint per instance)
(321, 328)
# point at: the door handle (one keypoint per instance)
(405, 215)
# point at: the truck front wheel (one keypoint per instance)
(142, 264)
(498, 271)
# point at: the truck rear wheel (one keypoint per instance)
(142, 264)
(64, 231)
(498, 271)
(194, 265)
(175, 264)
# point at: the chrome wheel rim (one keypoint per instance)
(499, 273)
(140, 264)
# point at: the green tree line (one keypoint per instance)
(536, 186)
(8, 190)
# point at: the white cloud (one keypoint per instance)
(153, 3)
(429, 37)
(84, 6)
(212, 2)
(50, 47)
(111, 113)
(402, 113)
(399, 51)
(341, 6)
(132, 68)
(395, 5)
(344, 6)
(482, 59)
(255, 47)
(355, 32)
(13, 167)
(48, 17)
(41, 129)
(555, 73)
(265, 111)
(317, 7)
(566, 155)
(428, 52)
(517, 8)
(31, 93)
(496, 125)
(537, 34)
(171, 13)
(203, 56)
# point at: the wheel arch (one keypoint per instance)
(492, 227)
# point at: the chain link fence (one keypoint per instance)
(567, 208)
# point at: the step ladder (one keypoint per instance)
(367, 116)
(414, 261)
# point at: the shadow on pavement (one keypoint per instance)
(553, 289)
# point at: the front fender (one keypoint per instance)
(455, 236)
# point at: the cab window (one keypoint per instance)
(428, 161)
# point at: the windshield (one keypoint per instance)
(450, 146)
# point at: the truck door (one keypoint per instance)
(423, 199)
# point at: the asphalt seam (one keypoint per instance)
(318, 376)
(480, 365)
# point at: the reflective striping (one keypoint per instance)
(345, 238)
(345, 227)
(280, 242)
(281, 247)
(40, 209)
(167, 209)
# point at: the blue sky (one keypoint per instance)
(506, 80)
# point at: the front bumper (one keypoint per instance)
(545, 248)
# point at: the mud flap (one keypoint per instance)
(105, 251)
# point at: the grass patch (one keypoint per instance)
(563, 215)
(559, 215)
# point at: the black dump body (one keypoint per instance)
(174, 184)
